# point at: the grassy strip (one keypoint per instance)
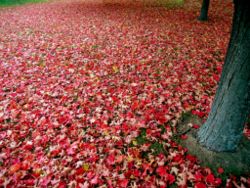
(163, 3)
(17, 2)
(170, 3)
(157, 3)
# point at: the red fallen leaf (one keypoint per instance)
(1, 181)
(135, 105)
(25, 166)
(79, 171)
(128, 174)
(198, 176)
(162, 171)
(93, 159)
(14, 168)
(136, 173)
(207, 170)
(80, 180)
(62, 184)
(248, 182)
(29, 182)
(247, 133)
(210, 179)
(64, 119)
(218, 181)
(216, 77)
(28, 146)
(131, 164)
(178, 158)
(94, 180)
(191, 158)
(119, 158)
(184, 136)
(160, 116)
(55, 152)
(171, 178)
(71, 151)
(123, 183)
(45, 181)
(219, 69)
(3, 134)
(200, 185)
(195, 126)
(220, 170)
(198, 113)
(111, 159)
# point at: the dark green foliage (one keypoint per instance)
(157, 148)
(141, 138)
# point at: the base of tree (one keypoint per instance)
(202, 19)
(236, 163)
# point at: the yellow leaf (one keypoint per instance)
(115, 69)
(85, 166)
(134, 142)
(106, 133)
(129, 158)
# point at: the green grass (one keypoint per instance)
(170, 3)
(17, 2)
(163, 3)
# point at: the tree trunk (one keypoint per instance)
(231, 107)
(204, 10)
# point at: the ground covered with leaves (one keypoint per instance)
(91, 94)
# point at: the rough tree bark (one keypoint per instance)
(223, 129)
(204, 10)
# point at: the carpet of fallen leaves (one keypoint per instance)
(91, 93)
